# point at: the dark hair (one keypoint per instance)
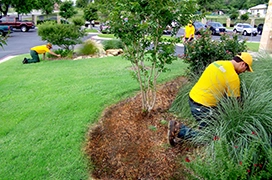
(237, 59)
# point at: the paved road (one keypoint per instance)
(21, 42)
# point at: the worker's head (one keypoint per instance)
(190, 23)
(244, 61)
(49, 45)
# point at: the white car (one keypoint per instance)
(245, 29)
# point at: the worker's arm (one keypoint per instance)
(51, 52)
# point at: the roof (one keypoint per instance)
(260, 6)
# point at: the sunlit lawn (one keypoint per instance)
(47, 108)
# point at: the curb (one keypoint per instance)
(6, 59)
(100, 38)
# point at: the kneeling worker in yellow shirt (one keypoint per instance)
(35, 51)
(220, 78)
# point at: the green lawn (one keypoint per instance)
(47, 108)
(253, 46)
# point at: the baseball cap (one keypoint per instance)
(247, 58)
(49, 45)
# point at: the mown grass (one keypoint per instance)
(47, 108)
(253, 46)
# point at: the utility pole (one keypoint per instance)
(266, 39)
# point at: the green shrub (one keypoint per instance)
(89, 47)
(203, 51)
(113, 44)
(219, 164)
(65, 36)
(78, 21)
(62, 52)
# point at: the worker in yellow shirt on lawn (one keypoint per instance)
(35, 51)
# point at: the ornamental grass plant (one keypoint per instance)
(237, 141)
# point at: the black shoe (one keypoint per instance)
(173, 130)
(24, 61)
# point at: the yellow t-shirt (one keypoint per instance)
(218, 79)
(189, 31)
(40, 49)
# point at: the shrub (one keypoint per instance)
(113, 44)
(244, 17)
(78, 21)
(90, 47)
(219, 164)
(62, 52)
(204, 50)
(65, 36)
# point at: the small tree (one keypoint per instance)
(244, 17)
(140, 24)
(82, 3)
(90, 12)
(67, 10)
(65, 36)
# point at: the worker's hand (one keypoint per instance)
(59, 55)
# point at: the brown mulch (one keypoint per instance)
(130, 144)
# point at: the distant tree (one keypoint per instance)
(234, 14)
(4, 6)
(23, 7)
(67, 10)
(82, 3)
(210, 5)
(47, 6)
(244, 17)
(90, 12)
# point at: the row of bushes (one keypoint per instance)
(89, 47)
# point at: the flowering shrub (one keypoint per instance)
(203, 51)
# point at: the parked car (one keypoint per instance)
(260, 29)
(54, 19)
(245, 29)
(167, 30)
(104, 28)
(216, 27)
(198, 27)
(5, 29)
(24, 26)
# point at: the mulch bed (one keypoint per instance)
(130, 144)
